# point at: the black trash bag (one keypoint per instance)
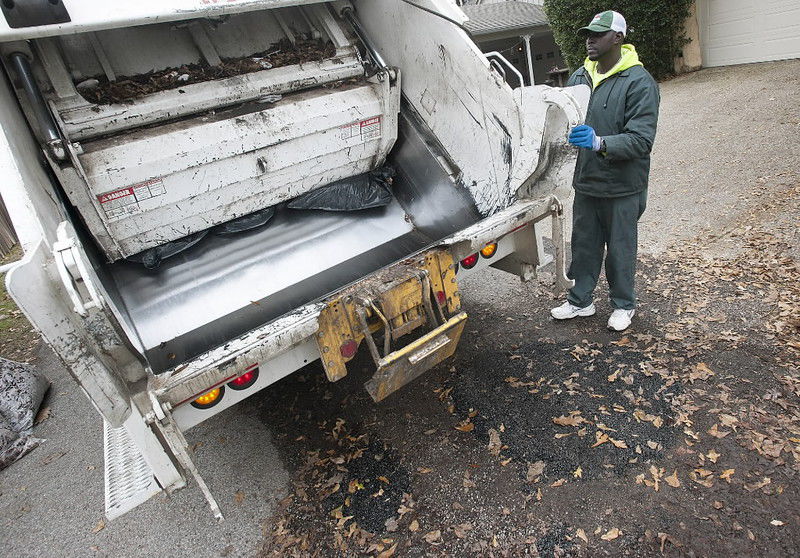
(365, 191)
(12, 445)
(22, 389)
(152, 257)
(246, 222)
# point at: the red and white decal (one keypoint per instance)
(364, 130)
(125, 201)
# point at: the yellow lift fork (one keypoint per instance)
(417, 293)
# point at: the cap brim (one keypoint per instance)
(594, 28)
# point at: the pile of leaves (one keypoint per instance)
(655, 27)
(104, 92)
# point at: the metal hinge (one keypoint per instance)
(73, 272)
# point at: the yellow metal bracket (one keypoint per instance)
(421, 291)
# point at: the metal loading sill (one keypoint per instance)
(227, 285)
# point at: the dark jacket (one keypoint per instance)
(624, 112)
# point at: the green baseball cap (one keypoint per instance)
(607, 21)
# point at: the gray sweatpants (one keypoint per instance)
(605, 225)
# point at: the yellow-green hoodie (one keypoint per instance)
(629, 59)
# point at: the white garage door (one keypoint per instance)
(739, 31)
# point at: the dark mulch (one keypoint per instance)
(283, 53)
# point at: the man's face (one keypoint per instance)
(599, 43)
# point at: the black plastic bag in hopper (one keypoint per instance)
(152, 257)
(247, 222)
(364, 191)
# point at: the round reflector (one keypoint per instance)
(348, 348)
(245, 380)
(209, 399)
(489, 250)
(441, 298)
(470, 261)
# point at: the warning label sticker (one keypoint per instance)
(364, 130)
(124, 202)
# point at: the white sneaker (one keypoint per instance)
(568, 311)
(620, 319)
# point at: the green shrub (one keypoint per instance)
(655, 27)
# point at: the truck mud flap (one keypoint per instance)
(408, 363)
(419, 294)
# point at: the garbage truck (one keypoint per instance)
(212, 194)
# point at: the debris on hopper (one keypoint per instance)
(282, 53)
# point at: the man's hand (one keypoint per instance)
(584, 136)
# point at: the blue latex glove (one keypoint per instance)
(584, 136)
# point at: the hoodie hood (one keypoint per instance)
(628, 59)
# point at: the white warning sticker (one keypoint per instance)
(364, 130)
(125, 201)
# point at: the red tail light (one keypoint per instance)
(441, 298)
(470, 261)
(245, 380)
(348, 348)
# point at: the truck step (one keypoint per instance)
(129, 479)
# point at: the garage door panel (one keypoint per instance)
(740, 31)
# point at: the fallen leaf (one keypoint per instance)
(701, 372)
(465, 427)
(581, 534)
(727, 474)
(611, 534)
(495, 444)
(750, 535)
(718, 505)
(414, 526)
(460, 530)
(424, 470)
(238, 497)
(535, 471)
(618, 443)
(601, 438)
(389, 552)
(776, 522)
(559, 482)
(714, 431)
(433, 537)
(672, 480)
(42, 415)
(713, 456)
(578, 473)
(383, 479)
(100, 526)
(574, 419)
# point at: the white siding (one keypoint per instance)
(740, 31)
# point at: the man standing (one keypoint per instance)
(612, 170)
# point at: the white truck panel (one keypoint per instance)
(94, 15)
(155, 185)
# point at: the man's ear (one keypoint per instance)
(619, 38)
